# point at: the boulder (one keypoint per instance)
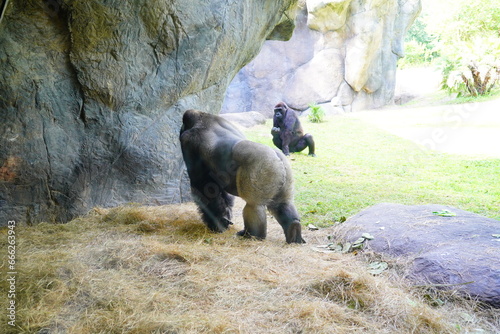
(327, 15)
(92, 95)
(246, 119)
(341, 51)
(460, 251)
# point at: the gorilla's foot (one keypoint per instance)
(293, 233)
(245, 234)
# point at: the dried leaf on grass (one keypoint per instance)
(312, 227)
(377, 268)
(346, 247)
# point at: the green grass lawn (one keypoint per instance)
(359, 165)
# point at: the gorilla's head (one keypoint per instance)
(189, 119)
(280, 111)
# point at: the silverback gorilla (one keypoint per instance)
(287, 131)
(221, 162)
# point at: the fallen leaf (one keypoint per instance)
(322, 250)
(346, 248)
(376, 268)
(444, 213)
(358, 241)
(357, 246)
(338, 248)
(367, 236)
(311, 227)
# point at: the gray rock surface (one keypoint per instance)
(92, 93)
(442, 250)
(342, 52)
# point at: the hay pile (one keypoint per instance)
(159, 270)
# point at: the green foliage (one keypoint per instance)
(418, 33)
(461, 34)
(316, 113)
(416, 54)
(475, 18)
(419, 46)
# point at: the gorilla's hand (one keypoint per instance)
(286, 150)
(275, 130)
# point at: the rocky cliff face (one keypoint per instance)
(342, 53)
(92, 93)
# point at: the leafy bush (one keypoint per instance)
(465, 37)
(471, 68)
(416, 54)
(316, 113)
(419, 45)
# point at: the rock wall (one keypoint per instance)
(343, 53)
(92, 93)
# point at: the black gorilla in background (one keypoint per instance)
(287, 131)
(221, 163)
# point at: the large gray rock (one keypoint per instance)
(92, 93)
(442, 250)
(246, 119)
(342, 52)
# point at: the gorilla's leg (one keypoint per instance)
(310, 142)
(216, 209)
(287, 216)
(254, 217)
(306, 141)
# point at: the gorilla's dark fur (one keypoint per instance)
(287, 131)
(221, 163)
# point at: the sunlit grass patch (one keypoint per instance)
(359, 165)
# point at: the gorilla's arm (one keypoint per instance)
(190, 152)
(288, 131)
(214, 202)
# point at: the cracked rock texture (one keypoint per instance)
(342, 52)
(92, 93)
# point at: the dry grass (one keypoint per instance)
(159, 270)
